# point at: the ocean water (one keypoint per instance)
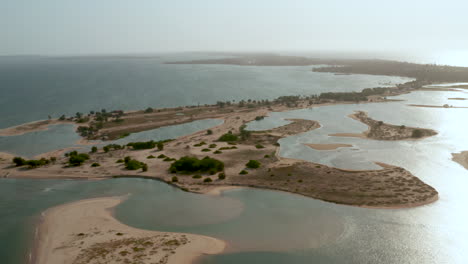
(276, 227)
(33, 88)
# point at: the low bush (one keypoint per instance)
(151, 157)
(259, 146)
(228, 137)
(207, 180)
(243, 172)
(253, 164)
(95, 164)
(221, 176)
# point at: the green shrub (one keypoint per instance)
(162, 156)
(197, 176)
(142, 145)
(160, 145)
(206, 150)
(120, 161)
(222, 176)
(168, 159)
(207, 180)
(212, 146)
(133, 164)
(19, 161)
(95, 164)
(200, 144)
(127, 159)
(209, 132)
(151, 157)
(266, 156)
(174, 179)
(149, 110)
(191, 164)
(228, 137)
(227, 148)
(243, 172)
(253, 164)
(144, 167)
(217, 152)
(259, 146)
(76, 159)
(94, 149)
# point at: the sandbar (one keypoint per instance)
(86, 232)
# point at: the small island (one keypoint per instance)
(379, 130)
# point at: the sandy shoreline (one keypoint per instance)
(40, 125)
(79, 232)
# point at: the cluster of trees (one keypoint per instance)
(228, 137)
(344, 96)
(422, 72)
(32, 163)
(109, 147)
(133, 164)
(76, 159)
(147, 145)
(192, 165)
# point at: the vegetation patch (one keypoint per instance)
(253, 164)
(192, 164)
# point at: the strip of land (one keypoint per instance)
(328, 146)
(438, 106)
(41, 125)
(379, 130)
(85, 232)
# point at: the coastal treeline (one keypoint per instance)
(421, 72)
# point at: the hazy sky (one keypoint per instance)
(148, 26)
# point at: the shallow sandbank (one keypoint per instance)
(86, 232)
(328, 146)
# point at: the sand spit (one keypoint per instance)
(438, 106)
(41, 125)
(328, 146)
(379, 130)
(86, 232)
(461, 158)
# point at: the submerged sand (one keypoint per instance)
(86, 232)
(328, 146)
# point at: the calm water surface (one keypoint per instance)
(33, 88)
